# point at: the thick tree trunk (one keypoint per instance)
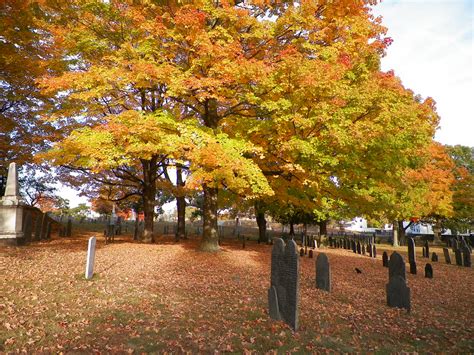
(210, 237)
(401, 233)
(395, 234)
(149, 196)
(180, 207)
(261, 222)
(323, 228)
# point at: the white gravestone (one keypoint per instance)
(90, 258)
(11, 210)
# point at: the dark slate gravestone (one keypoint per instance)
(27, 226)
(385, 259)
(427, 249)
(284, 287)
(434, 257)
(69, 227)
(323, 273)
(458, 256)
(411, 250)
(310, 254)
(455, 245)
(398, 294)
(447, 257)
(359, 251)
(413, 268)
(429, 271)
(396, 266)
(374, 251)
(466, 253)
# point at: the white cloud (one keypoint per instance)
(432, 53)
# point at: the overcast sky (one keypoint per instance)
(432, 53)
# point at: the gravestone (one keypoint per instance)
(455, 245)
(423, 252)
(323, 273)
(374, 251)
(69, 227)
(310, 254)
(284, 286)
(398, 294)
(359, 251)
(447, 257)
(27, 226)
(413, 268)
(90, 258)
(466, 256)
(458, 256)
(428, 271)
(411, 250)
(315, 244)
(396, 266)
(354, 246)
(434, 257)
(370, 247)
(301, 252)
(427, 249)
(385, 259)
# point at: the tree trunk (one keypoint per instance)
(135, 229)
(210, 237)
(323, 228)
(149, 196)
(292, 229)
(180, 206)
(261, 222)
(395, 233)
(437, 233)
(401, 233)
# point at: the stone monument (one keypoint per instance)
(11, 210)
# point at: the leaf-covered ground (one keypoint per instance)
(169, 297)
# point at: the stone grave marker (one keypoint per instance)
(423, 252)
(385, 259)
(455, 245)
(428, 271)
(27, 226)
(411, 250)
(301, 252)
(427, 249)
(466, 253)
(284, 286)
(354, 246)
(434, 257)
(323, 273)
(398, 294)
(458, 256)
(90, 258)
(447, 257)
(374, 251)
(413, 268)
(310, 254)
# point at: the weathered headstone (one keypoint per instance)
(458, 256)
(466, 253)
(310, 254)
(284, 287)
(413, 268)
(398, 294)
(411, 250)
(447, 257)
(301, 252)
(323, 273)
(434, 257)
(428, 271)
(385, 259)
(27, 226)
(374, 251)
(90, 258)
(427, 249)
(370, 250)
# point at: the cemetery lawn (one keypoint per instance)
(170, 297)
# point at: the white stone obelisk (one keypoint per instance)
(90, 258)
(12, 191)
(11, 210)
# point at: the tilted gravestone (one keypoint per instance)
(458, 256)
(428, 271)
(90, 258)
(427, 249)
(323, 273)
(398, 294)
(434, 257)
(284, 287)
(385, 259)
(411, 250)
(447, 257)
(466, 253)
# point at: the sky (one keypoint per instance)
(432, 52)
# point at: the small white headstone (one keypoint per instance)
(90, 258)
